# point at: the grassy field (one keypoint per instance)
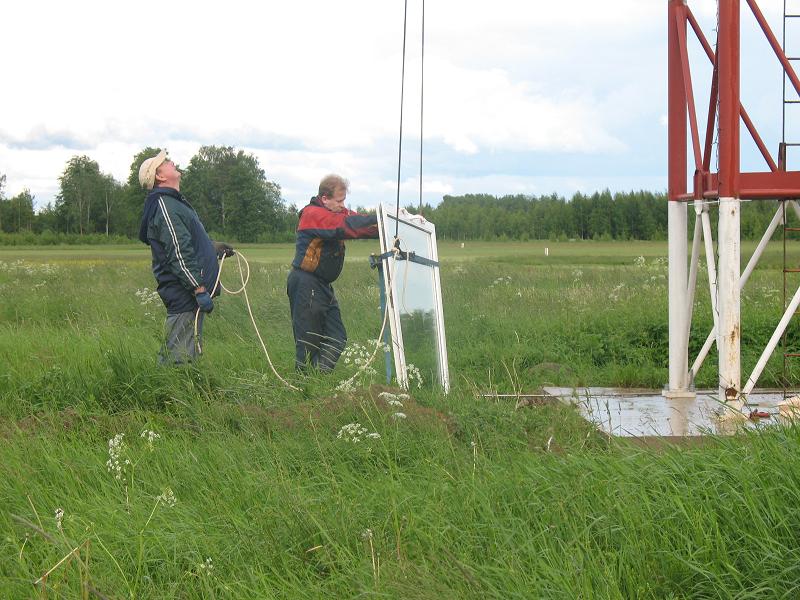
(122, 480)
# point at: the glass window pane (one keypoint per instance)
(415, 303)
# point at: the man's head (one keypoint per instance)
(159, 171)
(333, 192)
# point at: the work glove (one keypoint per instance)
(204, 302)
(223, 249)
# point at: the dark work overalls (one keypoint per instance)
(319, 332)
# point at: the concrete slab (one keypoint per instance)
(647, 413)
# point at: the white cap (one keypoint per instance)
(147, 172)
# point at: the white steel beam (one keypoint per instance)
(776, 336)
(678, 322)
(777, 219)
(690, 289)
(751, 264)
(711, 265)
(795, 207)
(773, 342)
(729, 324)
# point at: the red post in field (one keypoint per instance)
(676, 110)
(728, 61)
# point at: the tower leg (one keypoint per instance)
(729, 332)
(678, 310)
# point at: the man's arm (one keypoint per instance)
(344, 225)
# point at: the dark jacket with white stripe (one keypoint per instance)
(183, 255)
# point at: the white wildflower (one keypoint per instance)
(117, 462)
(168, 498)
(345, 386)
(147, 296)
(355, 432)
(379, 343)
(414, 375)
(59, 518)
(395, 403)
(399, 415)
(352, 432)
(206, 566)
(387, 396)
(366, 534)
(150, 436)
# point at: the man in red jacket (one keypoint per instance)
(319, 333)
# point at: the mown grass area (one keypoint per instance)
(251, 490)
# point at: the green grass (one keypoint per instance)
(463, 498)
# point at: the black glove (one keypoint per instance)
(223, 249)
(204, 302)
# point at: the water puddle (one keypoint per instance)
(644, 413)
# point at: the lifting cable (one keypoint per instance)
(421, 112)
(396, 246)
(421, 102)
(395, 250)
(400, 141)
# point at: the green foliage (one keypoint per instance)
(638, 215)
(231, 194)
(88, 198)
(16, 214)
(227, 187)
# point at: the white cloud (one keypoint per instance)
(312, 87)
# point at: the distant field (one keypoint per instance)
(250, 490)
(576, 252)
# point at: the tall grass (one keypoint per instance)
(456, 497)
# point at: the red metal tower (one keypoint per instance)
(728, 186)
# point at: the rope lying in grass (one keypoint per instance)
(242, 290)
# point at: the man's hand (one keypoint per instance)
(223, 249)
(204, 302)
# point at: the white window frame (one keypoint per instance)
(387, 223)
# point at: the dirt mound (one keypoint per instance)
(332, 409)
(328, 411)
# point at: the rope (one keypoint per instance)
(421, 104)
(242, 290)
(379, 342)
(400, 143)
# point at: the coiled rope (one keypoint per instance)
(242, 290)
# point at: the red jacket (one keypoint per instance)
(320, 238)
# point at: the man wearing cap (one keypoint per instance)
(184, 258)
(325, 223)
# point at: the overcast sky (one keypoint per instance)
(526, 96)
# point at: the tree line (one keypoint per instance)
(236, 201)
(632, 215)
(227, 188)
